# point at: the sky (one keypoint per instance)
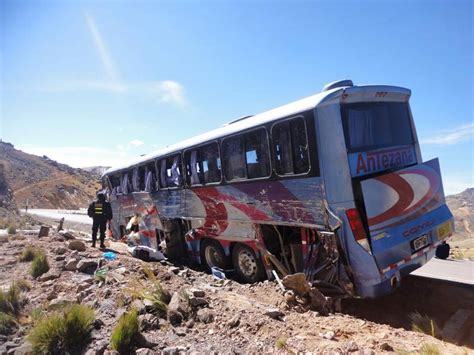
(100, 82)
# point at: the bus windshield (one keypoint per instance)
(374, 125)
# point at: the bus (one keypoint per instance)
(332, 186)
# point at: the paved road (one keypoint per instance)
(68, 216)
(451, 270)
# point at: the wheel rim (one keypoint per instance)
(213, 257)
(247, 263)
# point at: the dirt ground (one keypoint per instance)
(239, 316)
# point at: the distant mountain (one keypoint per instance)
(96, 170)
(43, 182)
(462, 207)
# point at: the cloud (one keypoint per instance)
(170, 91)
(453, 136)
(136, 143)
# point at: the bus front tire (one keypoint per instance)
(246, 264)
(213, 255)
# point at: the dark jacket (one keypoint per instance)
(100, 211)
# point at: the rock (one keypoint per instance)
(67, 235)
(10, 345)
(196, 302)
(190, 323)
(60, 302)
(180, 332)
(205, 315)
(98, 323)
(174, 350)
(178, 304)
(148, 322)
(197, 292)
(87, 266)
(119, 312)
(351, 346)
(60, 250)
(386, 347)
(50, 275)
(318, 302)
(234, 321)
(174, 270)
(144, 351)
(297, 283)
(71, 264)
(111, 352)
(274, 313)
(328, 335)
(145, 341)
(149, 305)
(60, 257)
(24, 349)
(76, 245)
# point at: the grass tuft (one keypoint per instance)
(23, 285)
(280, 343)
(64, 332)
(40, 265)
(125, 332)
(424, 324)
(153, 293)
(7, 323)
(11, 230)
(28, 254)
(429, 349)
(10, 300)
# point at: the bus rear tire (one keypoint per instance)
(213, 255)
(247, 266)
(442, 251)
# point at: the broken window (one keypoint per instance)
(147, 177)
(170, 172)
(135, 180)
(290, 145)
(203, 165)
(126, 183)
(116, 184)
(246, 155)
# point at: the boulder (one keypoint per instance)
(318, 302)
(148, 322)
(146, 341)
(178, 305)
(297, 283)
(174, 350)
(205, 315)
(196, 292)
(71, 264)
(76, 245)
(87, 265)
(197, 302)
(60, 302)
(50, 275)
(60, 250)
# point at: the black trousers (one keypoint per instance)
(96, 226)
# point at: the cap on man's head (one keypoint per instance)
(100, 195)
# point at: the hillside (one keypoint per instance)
(462, 207)
(45, 183)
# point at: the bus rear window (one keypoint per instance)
(374, 125)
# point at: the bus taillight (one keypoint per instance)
(357, 228)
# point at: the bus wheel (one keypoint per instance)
(442, 251)
(247, 266)
(212, 254)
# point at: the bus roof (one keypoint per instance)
(249, 122)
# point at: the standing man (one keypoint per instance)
(100, 211)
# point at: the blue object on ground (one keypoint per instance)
(109, 255)
(218, 273)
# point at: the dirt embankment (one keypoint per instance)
(224, 317)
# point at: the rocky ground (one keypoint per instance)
(220, 316)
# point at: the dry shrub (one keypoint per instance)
(153, 293)
(40, 265)
(23, 285)
(11, 230)
(27, 254)
(7, 323)
(125, 332)
(429, 349)
(10, 300)
(63, 332)
(424, 324)
(280, 343)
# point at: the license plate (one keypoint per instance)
(444, 230)
(420, 242)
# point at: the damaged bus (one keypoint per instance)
(333, 186)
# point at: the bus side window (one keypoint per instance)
(115, 182)
(148, 179)
(246, 155)
(290, 146)
(135, 180)
(170, 172)
(203, 165)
